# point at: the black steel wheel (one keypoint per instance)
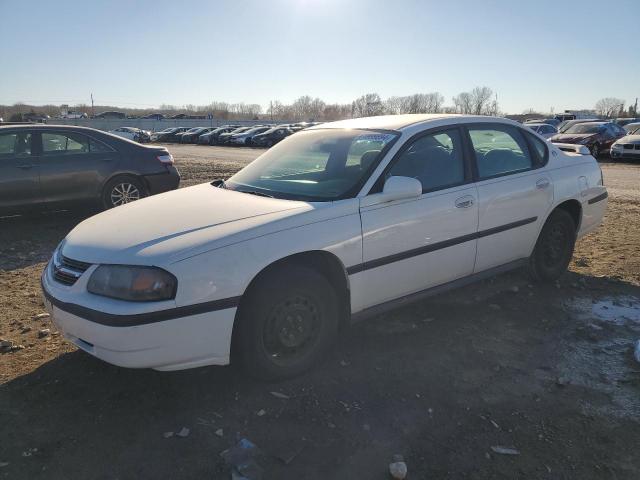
(554, 248)
(285, 323)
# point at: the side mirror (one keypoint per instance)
(395, 188)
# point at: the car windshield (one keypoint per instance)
(585, 128)
(315, 165)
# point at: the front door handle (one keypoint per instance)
(25, 166)
(464, 202)
(542, 183)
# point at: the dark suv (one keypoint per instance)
(61, 166)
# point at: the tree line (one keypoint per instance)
(478, 101)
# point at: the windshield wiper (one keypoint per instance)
(259, 194)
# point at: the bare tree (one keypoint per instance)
(367, 105)
(463, 103)
(609, 106)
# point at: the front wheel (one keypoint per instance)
(286, 324)
(595, 150)
(121, 190)
(554, 248)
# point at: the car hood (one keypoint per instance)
(635, 139)
(165, 228)
(571, 137)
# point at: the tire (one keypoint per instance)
(595, 150)
(286, 324)
(269, 143)
(126, 185)
(554, 248)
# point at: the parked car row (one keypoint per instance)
(254, 135)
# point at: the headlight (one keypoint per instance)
(585, 140)
(133, 283)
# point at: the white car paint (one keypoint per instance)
(543, 129)
(216, 241)
(628, 146)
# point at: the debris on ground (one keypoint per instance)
(505, 450)
(287, 451)
(261, 412)
(184, 432)
(397, 467)
(45, 332)
(167, 434)
(636, 351)
(6, 345)
(41, 316)
(243, 458)
(280, 395)
(220, 432)
(4, 464)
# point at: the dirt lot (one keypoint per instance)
(547, 370)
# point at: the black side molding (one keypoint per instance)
(599, 198)
(396, 257)
(445, 287)
(114, 320)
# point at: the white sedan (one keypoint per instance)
(338, 222)
(132, 133)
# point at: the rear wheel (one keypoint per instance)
(554, 248)
(121, 190)
(286, 323)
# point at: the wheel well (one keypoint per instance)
(323, 262)
(573, 208)
(124, 175)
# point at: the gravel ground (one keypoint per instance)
(545, 370)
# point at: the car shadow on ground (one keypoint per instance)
(503, 362)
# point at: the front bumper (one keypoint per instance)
(179, 343)
(164, 181)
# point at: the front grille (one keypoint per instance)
(66, 270)
(628, 146)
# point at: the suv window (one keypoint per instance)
(18, 143)
(500, 150)
(436, 160)
(57, 143)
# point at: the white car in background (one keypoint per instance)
(132, 133)
(628, 146)
(340, 221)
(543, 129)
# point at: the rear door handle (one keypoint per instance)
(464, 202)
(542, 183)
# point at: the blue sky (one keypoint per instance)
(535, 54)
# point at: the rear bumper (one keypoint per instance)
(176, 344)
(163, 182)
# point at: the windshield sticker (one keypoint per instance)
(375, 137)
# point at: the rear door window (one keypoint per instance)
(499, 150)
(67, 144)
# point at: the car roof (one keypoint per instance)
(402, 122)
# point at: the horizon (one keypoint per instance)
(148, 54)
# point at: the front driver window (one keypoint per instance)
(12, 144)
(436, 160)
(499, 150)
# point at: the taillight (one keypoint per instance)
(167, 159)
